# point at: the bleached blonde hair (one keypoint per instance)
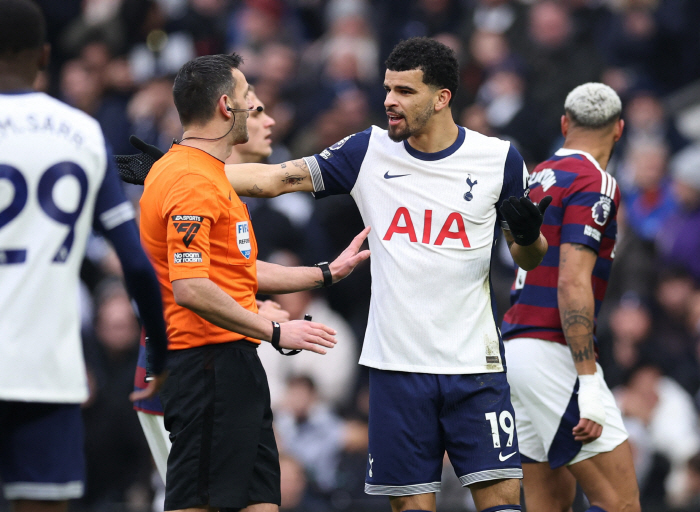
(593, 105)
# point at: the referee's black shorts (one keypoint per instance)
(217, 410)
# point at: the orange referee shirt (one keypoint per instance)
(193, 224)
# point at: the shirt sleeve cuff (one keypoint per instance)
(316, 176)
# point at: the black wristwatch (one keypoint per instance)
(327, 276)
(275, 341)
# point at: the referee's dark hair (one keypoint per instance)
(437, 61)
(22, 27)
(200, 83)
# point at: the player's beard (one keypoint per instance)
(412, 127)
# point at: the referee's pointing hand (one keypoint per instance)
(305, 335)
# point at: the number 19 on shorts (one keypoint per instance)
(505, 420)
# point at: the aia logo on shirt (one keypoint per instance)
(188, 225)
(452, 228)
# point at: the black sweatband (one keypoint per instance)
(275, 341)
(327, 276)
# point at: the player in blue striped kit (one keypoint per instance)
(569, 426)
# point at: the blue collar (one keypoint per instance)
(440, 154)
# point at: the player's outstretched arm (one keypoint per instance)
(114, 218)
(274, 279)
(526, 243)
(250, 180)
(205, 298)
(261, 180)
(576, 310)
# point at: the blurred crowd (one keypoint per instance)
(317, 65)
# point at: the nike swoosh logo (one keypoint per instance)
(502, 458)
(388, 176)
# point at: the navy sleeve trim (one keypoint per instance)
(112, 208)
(515, 178)
(338, 166)
(316, 175)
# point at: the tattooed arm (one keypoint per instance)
(576, 310)
(576, 304)
(261, 180)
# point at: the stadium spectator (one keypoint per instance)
(309, 430)
(630, 326)
(649, 200)
(107, 415)
(295, 489)
(556, 62)
(667, 413)
(679, 240)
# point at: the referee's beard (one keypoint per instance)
(240, 130)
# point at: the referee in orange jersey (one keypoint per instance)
(201, 242)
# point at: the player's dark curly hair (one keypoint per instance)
(22, 27)
(438, 62)
(200, 83)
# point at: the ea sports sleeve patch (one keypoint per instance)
(190, 209)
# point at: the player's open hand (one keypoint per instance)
(524, 218)
(305, 335)
(587, 431)
(151, 389)
(272, 311)
(344, 264)
(135, 168)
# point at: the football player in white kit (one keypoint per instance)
(57, 182)
(434, 194)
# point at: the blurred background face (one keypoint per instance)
(644, 112)
(550, 25)
(687, 195)
(117, 328)
(259, 145)
(408, 103)
(649, 165)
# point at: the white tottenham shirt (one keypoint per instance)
(434, 223)
(53, 163)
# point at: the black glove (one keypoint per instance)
(524, 218)
(135, 168)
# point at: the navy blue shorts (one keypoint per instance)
(41, 451)
(415, 417)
